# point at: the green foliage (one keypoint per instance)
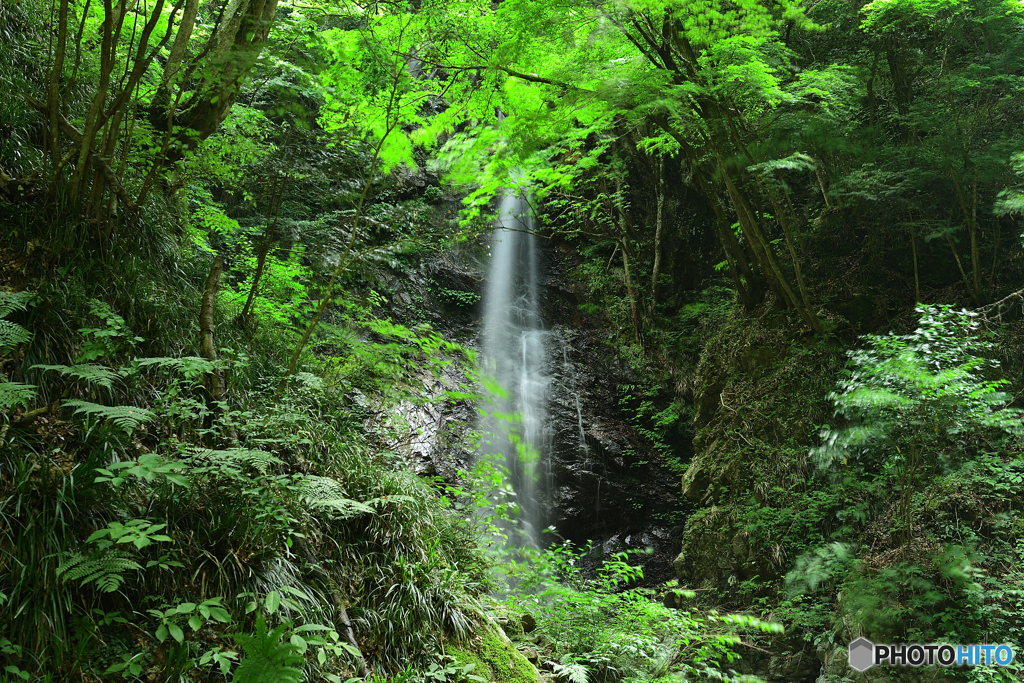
(920, 392)
(13, 394)
(197, 616)
(267, 659)
(106, 341)
(106, 568)
(899, 122)
(14, 301)
(12, 334)
(127, 418)
(149, 467)
(452, 672)
(92, 374)
(919, 401)
(328, 495)
(602, 629)
(928, 402)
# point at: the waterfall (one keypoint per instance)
(513, 354)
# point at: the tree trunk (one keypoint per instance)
(917, 281)
(659, 226)
(234, 47)
(174, 59)
(809, 314)
(633, 308)
(53, 94)
(634, 311)
(99, 98)
(207, 343)
(903, 90)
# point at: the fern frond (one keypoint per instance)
(15, 393)
(573, 672)
(128, 418)
(93, 374)
(326, 494)
(267, 659)
(12, 334)
(105, 569)
(234, 459)
(190, 367)
(14, 301)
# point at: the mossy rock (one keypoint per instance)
(496, 658)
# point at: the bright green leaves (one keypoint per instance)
(149, 467)
(708, 22)
(138, 532)
(104, 569)
(12, 334)
(195, 615)
(918, 393)
(13, 394)
(883, 16)
(268, 659)
(739, 68)
(373, 87)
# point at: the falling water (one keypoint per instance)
(513, 353)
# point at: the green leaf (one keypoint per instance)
(195, 621)
(220, 614)
(272, 602)
(176, 632)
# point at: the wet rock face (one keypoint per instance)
(606, 483)
(603, 482)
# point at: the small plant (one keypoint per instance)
(197, 616)
(108, 340)
(268, 659)
(450, 671)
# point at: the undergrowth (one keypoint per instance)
(147, 529)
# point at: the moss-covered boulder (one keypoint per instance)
(496, 658)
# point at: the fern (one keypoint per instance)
(12, 334)
(128, 418)
(323, 493)
(93, 374)
(232, 460)
(190, 367)
(14, 301)
(15, 393)
(267, 660)
(574, 672)
(105, 569)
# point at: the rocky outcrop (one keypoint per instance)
(603, 482)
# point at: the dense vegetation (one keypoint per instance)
(221, 317)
